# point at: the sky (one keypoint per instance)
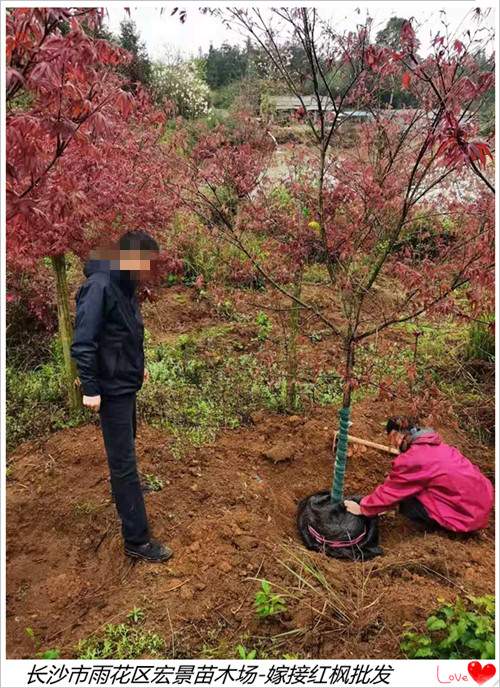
(163, 31)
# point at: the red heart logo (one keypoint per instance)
(481, 674)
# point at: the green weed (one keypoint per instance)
(325, 390)
(243, 653)
(153, 482)
(265, 326)
(49, 654)
(216, 649)
(46, 654)
(268, 603)
(226, 309)
(137, 615)
(463, 630)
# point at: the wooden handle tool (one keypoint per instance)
(367, 443)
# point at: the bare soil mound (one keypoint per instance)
(228, 511)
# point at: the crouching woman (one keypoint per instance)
(432, 482)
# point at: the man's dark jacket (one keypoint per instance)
(108, 344)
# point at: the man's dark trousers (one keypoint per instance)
(118, 423)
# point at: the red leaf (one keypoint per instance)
(479, 151)
(406, 80)
(444, 146)
(125, 102)
(99, 123)
(13, 75)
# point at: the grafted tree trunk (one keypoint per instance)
(342, 439)
(66, 331)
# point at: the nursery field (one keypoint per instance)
(306, 220)
(227, 506)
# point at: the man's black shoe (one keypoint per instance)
(150, 551)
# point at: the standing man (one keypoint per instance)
(108, 347)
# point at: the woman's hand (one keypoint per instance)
(93, 403)
(352, 507)
(395, 439)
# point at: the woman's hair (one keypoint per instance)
(405, 425)
(138, 241)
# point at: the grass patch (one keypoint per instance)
(248, 647)
(316, 273)
(121, 641)
(460, 361)
(481, 341)
(193, 396)
(457, 360)
(36, 401)
(193, 391)
(82, 509)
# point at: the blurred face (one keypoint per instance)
(136, 261)
(395, 439)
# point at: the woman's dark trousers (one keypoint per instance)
(413, 509)
(118, 423)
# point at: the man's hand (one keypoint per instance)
(352, 507)
(93, 403)
(146, 375)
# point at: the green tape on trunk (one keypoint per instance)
(341, 456)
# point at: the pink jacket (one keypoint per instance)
(454, 492)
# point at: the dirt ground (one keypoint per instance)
(228, 512)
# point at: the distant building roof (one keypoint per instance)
(292, 103)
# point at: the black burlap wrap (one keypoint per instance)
(328, 527)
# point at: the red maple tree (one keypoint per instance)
(401, 206)
(84, 160)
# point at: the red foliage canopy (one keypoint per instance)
(83, 156)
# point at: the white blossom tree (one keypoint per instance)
(182, 85)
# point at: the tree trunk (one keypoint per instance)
(292, 358)
(337, 493)
(321, 212)
(65, 331)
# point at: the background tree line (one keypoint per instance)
(226, 74)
